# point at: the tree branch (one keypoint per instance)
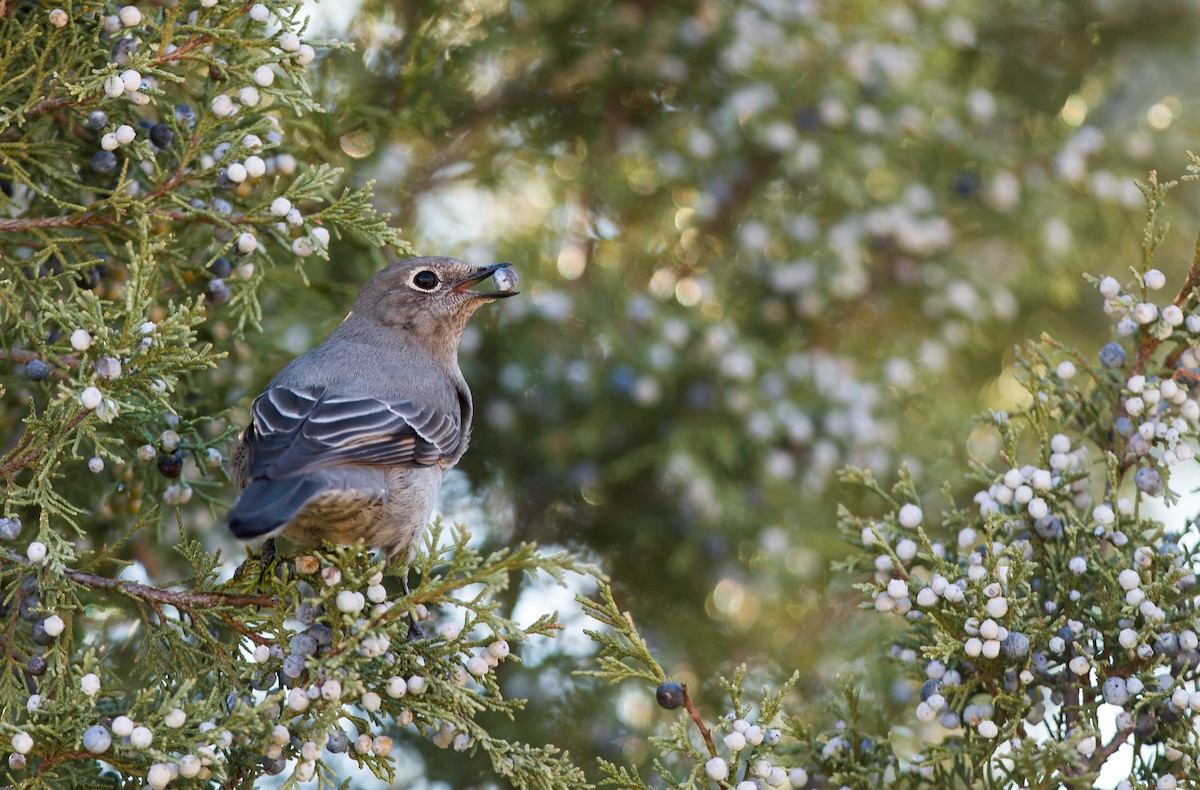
(153, 595)
(18, 463)
(24, 356)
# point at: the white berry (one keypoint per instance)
(130, 15)
(716, 769)
(36, 551)
(159, 776)
(89, 684)
(22, 742)
(122, 726)
(910, 516)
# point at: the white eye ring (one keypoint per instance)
(425, 280)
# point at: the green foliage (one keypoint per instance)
(759, 240)
(156, 186)
(1062, 589)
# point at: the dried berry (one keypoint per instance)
(171, 464)
(36, 665)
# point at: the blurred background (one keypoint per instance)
(758, 240)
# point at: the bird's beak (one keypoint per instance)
(482, 274)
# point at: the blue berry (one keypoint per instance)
(1148, 480)
(123, 49)
(1166, 644)
(10, 528)
(670, 695)
(303, 645)
(338, 741)
(293, 666)
(40, 637)
(162, 135)
(1048, 527)
(321, 633)
(36, 665)
(37, 370)
(185, 116)
(1015, 645)
(966, 183)
(274, 765)
(1124, 426)
(97, 119)
(104, 162)
(263, 680)
(929, 688)
(221, 268)
(1112, 355)
(89, 279)
(1115, 691)
(218, 292)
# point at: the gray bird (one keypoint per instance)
(351, 439)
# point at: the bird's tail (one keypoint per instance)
(267, 506)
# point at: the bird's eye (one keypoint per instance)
(426, 280)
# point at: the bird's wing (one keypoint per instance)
(303, 429)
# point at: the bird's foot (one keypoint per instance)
(263, 559)
(415, 632)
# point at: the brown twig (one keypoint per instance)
(19, 224)
(24, 356)
(154, 595)
(705, 732)
(180, 600)
(1118, 740)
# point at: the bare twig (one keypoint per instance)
(24, 356)
(155, 596)
(705, 732)
(1118, 740)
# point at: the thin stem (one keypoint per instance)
(24, 356)
(1118, 740)
(154, 595)
(19, 462)
(705, 732)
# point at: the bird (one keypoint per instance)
(351, 440)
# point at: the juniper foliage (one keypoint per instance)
(157, 188)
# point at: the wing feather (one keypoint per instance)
(297, 430)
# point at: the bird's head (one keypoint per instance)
(431, 298)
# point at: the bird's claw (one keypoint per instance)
(264, 559)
